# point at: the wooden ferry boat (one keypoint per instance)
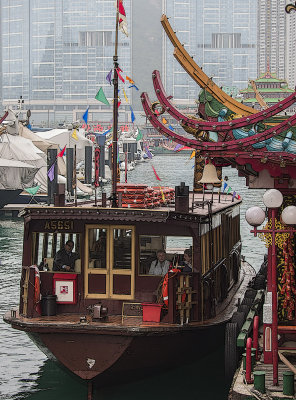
(110, 318)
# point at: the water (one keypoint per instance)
(25, 373)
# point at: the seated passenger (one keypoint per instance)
(65, 258)
(187, 263)
(160, 266)
(99, 248)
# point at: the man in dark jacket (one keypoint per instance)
(64, 259)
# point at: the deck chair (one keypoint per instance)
(32, 191)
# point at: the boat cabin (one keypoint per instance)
(115, 248)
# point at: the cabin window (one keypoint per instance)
(109, 262)
(174, 247)
(46, 245)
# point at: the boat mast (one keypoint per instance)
(115, 115)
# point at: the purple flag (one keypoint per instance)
(50, 173)
(148, 152)
(178, 146)
(108, 77)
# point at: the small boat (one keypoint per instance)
(109, 318)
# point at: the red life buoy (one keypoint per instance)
(37, 290)
(165, 285)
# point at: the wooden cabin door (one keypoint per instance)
(109, 262)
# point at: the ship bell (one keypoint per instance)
(209, 175)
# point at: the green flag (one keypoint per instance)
(229, 190)
(139, 135)
(100, 96)
(32, 190)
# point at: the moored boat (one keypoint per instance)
(139, 331)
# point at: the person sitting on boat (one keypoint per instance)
(99, 248)
(160, 266)
(65, 258)
(187, 263)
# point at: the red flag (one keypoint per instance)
(157, 177)
(122, 18)
(61, 153)
(97, 166)
(119, 76)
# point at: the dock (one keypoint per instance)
(240, 390)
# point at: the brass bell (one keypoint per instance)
(209, 174)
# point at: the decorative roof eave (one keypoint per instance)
(206, 125)
(232, 145)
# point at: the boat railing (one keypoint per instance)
(183, 298)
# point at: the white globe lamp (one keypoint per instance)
(289, 215)
(255, 216)
(273, 198)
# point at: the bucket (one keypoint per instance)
(49, 305)
(151, 312)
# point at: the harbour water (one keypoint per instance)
(25, 373)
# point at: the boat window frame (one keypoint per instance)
(164, 241)
(109, 272)
(37, 242)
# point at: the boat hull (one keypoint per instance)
(103, 358)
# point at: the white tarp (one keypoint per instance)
(63, 138)
(14, 147)
(16, 174)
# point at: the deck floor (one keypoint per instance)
(240, 389)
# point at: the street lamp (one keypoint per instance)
(255, 216)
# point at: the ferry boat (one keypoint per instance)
(107, 319)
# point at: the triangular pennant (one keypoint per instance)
(119, 76)
(192, 155)
(50, 172)
(157, 177)
(132, 115)
(229, 190)
(164, 121)
(85, 116)
(130, 80)
(100, 96)
(224, 187)
(74, 135)
(109, 76)
(125, 96)
(139, 135)
(61, 153)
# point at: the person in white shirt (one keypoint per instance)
(160, 266)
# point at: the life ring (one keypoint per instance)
(165, 285)
(37, 289)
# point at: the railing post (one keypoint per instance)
(249, 361)
(255, 336)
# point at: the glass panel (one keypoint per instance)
(159, 253)
(122, 245)
(97, 248)
(46, 245)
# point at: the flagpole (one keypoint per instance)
(115, 115)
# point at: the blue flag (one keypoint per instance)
(85, 116)
(171, 128)
(132, 114)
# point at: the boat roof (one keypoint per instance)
(203, 205)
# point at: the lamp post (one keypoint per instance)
(255, 216)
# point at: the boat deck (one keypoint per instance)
(130, 325)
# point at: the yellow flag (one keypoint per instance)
(192, 154)
(164, 121)
(74, 135)
(126, 99)
(162, 195)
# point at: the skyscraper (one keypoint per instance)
(272, 37)
(220, 35)
(56, 54)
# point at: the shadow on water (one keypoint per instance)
(201, 380)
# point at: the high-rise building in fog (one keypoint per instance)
(220, 35)
(272, 36)
(56, 54)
